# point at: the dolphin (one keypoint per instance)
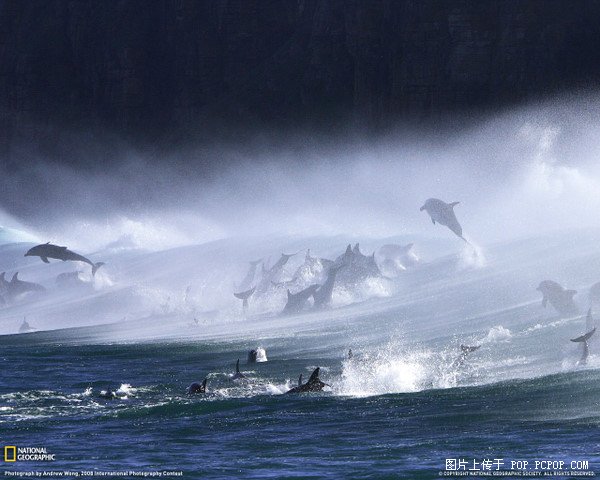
(249, 278)
(25, 327)
(314, 384)
(244, 296)
(586, 349)
(196, 388)
(17, 287)
(443, 213)
(48, 250)
(465, 350)
(296, 301)
(558, 297)
(323, 295)
(237, 375)
(273, 273)
(312, 269)
(350, 354)
(358, 266)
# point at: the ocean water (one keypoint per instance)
(399, 408)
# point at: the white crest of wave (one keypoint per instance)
(393, 370)
(497, 334)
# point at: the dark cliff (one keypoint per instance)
(149, 69)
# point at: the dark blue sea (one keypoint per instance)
(400, 407)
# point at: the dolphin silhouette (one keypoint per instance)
(17, 286)
(314, 384)
(560, 298)
(196, 388)
(237, 375)
(296, 301)
(48, 250)
(323, 295)
(249, 278)
(244, 296)
(443, 213)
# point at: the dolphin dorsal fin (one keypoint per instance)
(237, 366)
(314, 377)
(14, 277)
(300, 380)
(356, 248)
(204, 384)
(409, 246)
(349, 249)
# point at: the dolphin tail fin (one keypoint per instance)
(95, 267)
(237, 366)
(584, 338)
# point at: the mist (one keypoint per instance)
(518, 174)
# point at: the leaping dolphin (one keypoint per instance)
(237, 375)
(558, 297)
(48, 250)
(17, 286)
(443, 213)
(314, 384)
(323, 295)
(244, 296)
(296, 301)
(249, 278)
(196, 388)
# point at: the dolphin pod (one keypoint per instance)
(48, 250)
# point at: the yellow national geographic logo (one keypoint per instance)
(10, 454)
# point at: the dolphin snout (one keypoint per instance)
(422, 208)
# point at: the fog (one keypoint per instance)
(517, 174)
